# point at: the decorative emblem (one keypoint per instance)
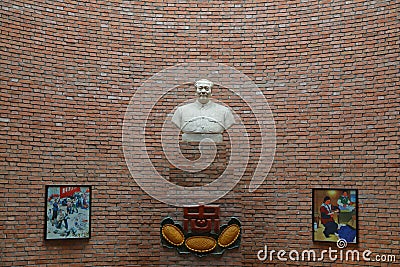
(201, 233)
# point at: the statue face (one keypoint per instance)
(203, 91)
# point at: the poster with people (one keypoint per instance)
(68, 211)
(335, 215)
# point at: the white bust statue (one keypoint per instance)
(203, 118)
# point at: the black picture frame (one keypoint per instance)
(337, 221)
(67, 212)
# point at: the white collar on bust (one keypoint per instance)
(206, 105)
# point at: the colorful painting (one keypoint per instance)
(68, 209)
(335, 215)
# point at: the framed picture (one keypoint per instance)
(68, 210)
(335, 215)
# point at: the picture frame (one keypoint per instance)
(335, 215)
(67, 212)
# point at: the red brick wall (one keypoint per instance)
(330, 73)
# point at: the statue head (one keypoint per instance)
(203, 90)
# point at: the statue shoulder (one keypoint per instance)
(187, 106)
(221, 108)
